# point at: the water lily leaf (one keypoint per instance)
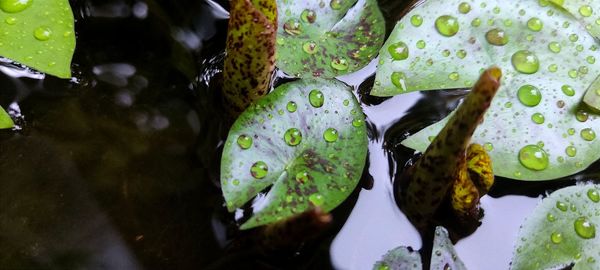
(535, 128)
(586, 11)
(592, 95)
(5, 120)
(562, 231)
(327, 39)
(400, 258)
(306, 140)
(443, 256)
(38, 34)
(250, 52)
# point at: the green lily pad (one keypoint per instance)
(535, 128)
(562, 231)
(5, 120)
(38, 34)
(586, 11)
(443, 256)
(327, 38)
(306, 140)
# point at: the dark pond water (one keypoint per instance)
(118, 168)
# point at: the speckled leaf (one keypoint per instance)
(302, 171)
(38, 34)
(328, 38)
(400, 258)
(5, 120)
(565, 54)
(562, 231)
(250, 51)
(443, 256)
(586, 11)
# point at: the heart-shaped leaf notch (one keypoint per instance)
(39, 34)
(443, 256)
(562, 231)
(327, 38)
(535, 128)
(306, 140)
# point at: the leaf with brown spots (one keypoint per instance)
(250, 52)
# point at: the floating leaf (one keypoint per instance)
(562, 231)
(38, 34)
(443, 256)
(250, 51)
(328, 38)
(5, 120)
(587, 11)
(307, 140)
(592, 95)
(547, 58)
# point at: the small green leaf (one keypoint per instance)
(443, 256)
(38, 34)
(562, 231)
(5, 120)
(307, 139)
(548, 61)
(327, 38)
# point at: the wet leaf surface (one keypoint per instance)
(561, 231)
(306, 140)
(327, 38)
(38, 34)
(5, 120)
(547, 58)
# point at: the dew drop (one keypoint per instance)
(340, 64)
(568, 90)
(573, 37)
(335, 4)
(421, 44)
(14, 6)
(590, 59)
(310, 47)
(292, 137)
(454, 76)
(552, 68)
(585, 11)
(244, 141)
(398, 51)
(581, 116)
(550, 217)
(588, 134)
(538, 118)
(554, 47)
(593, 195)
(316, 98)
(302, 177)
(584, 228)
(291, 106)
(330, 135)
(561, 206)
(447, 25)
(461, 54)
(42, 33)
(529, 95)
(571, 151)
(259, 170)
(399, 80)
(556, 238)
(358, 122)
(525, 62)
(308, 16)
(416, 20)
(533, 157)
(464, 8)
(316, 199)
(535, 24)
(488, 146)
(496, 37)
(10, 20)
(571, 131)
(476, 22)
(292, 27)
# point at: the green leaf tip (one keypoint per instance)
(592, 96)
(561, 231)
(536, 128)
(6, 121)
(38, 34)
(328, 38)
(250, 51)
(306, 140)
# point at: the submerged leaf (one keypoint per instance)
(328, 39)
(39, 34)
(306, 140)
(443, 256)
(250, 52)
(562, 231)
(547, 58)
(5, 120)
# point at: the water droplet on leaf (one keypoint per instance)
(330, 135)
(533, 157)
(259, 170)
(292, 137)
(525, 62)
(14, 6)
(447, 25)
(584, 228)
(497, 37)
(529, 95)
(244, 141)
(316, 98)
